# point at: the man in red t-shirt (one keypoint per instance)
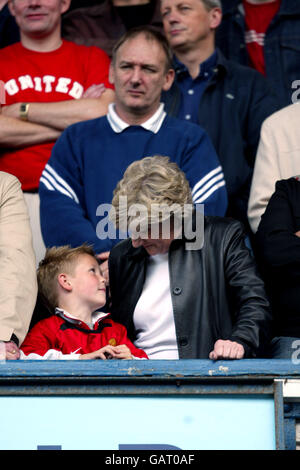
(258, 16)
(49, 84)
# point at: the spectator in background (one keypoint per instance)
(9, 31)
(49, 84)
(17, 266)
(228, 100)
(90, 157)
(102, 25)
(278, 253)
(277, 158)
(264, 34)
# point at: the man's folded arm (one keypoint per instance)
(59, 115)
(15, 133)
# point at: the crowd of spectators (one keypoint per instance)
(88, 89)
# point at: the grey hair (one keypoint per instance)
(150, 33)
(152, 180)
(210, 4)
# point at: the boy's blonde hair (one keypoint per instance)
(58, 260)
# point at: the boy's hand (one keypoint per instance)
(122, 352)
(107, 352)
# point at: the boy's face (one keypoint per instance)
(88, 284)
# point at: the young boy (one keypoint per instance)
(71, 281)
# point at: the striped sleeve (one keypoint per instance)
(204, 173)
(53, 182)
(62, 212)
(208, 185)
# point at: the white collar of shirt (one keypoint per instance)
(66, 315)
(153, 124)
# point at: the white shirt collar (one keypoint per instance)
(153, 124)
(66, 315)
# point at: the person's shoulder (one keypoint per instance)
(222, 226)
(289, 185)
(8, 181)
(124, 247)
(241, 69)
(181, 127)
(284, 116)
(84, 129)
(246, 76)
(52, 322)
(8, 178)
(10, 51)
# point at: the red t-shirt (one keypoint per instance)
(30, 76)
(257, 19)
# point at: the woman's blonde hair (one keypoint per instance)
(151, 181)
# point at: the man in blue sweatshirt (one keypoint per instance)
(89, 159)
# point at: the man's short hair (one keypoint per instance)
(57, 260)
(210, 4)
(151, 34)
(152, 181)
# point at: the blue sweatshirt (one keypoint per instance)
(89, 159)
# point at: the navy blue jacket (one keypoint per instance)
(9, 31)
(282, 44)
(232, 108)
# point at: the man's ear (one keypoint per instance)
(11, 7)
(64, 281)
(111, 75)
(215, 17)
(64, 6)
(169, 79)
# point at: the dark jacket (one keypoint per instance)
(278, 252)
(216, 292)
(281, 49)
(101, 25)
(9, 30)
(232, 108)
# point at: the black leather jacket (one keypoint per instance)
(216, 291)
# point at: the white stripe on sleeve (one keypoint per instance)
(202, 191)
(208, 193)
(56, 185)
(206, 178)
(47, 184)
(62, 182)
